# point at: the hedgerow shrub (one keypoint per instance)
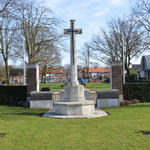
(140, 91)
(45, 89)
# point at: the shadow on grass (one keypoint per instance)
(138, 105)
(29, 114)
(22, 114)
(13, 106)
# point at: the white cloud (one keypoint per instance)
(53, 4)
(102, 13)
(86, 3)
(117, 2)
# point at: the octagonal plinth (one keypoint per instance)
(74, 108)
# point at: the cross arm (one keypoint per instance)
(77, 31)
(67, 31)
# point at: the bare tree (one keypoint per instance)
(38, 29)
(121, 38)
(7, 33)
(141, 13)
(95, 64)
(49, 58)
(4, 4)
(85, 59)
(29, 30)
(2, 72)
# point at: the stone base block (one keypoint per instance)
(86, 94)
(74, 108)
(41, 104)
(74, 93)
(104, 103)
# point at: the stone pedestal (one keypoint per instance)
(116, 77)
(74, 105)
(74, 93)
(32, 78)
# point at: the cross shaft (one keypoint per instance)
(73, 65)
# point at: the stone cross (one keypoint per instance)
(73, 64)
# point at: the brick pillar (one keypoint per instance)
(32, 78)
(116, 77)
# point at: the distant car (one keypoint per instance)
(83, 80)
(94, 80)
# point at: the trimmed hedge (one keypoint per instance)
(140, 91)
(12, 95)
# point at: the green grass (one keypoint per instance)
(53, 86)
(91, 85)
(97, 86)
(25, 130)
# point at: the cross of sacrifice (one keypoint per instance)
(73, 65)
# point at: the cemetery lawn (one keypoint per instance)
(25, 130)
(55, 87)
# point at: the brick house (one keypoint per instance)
(16, 75)
(17, 79)
(54, 75)
(94, 73)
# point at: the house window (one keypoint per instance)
(52, 74)
(143, 63)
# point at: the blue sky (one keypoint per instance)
(90, 15)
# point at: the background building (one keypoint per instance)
(99, 74)
(145, 67)
(54, 75)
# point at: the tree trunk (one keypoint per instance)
(44, 74)
(7, 72)
(42, 77)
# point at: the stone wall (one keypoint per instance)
(106, 94)
(41, 99)
(109, 98)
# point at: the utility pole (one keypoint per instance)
(24, 64)
(88, 63)
(123, 55)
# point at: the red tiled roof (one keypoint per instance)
(98, 69)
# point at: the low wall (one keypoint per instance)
(108, 98)
(13, 95)
(41, 99)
